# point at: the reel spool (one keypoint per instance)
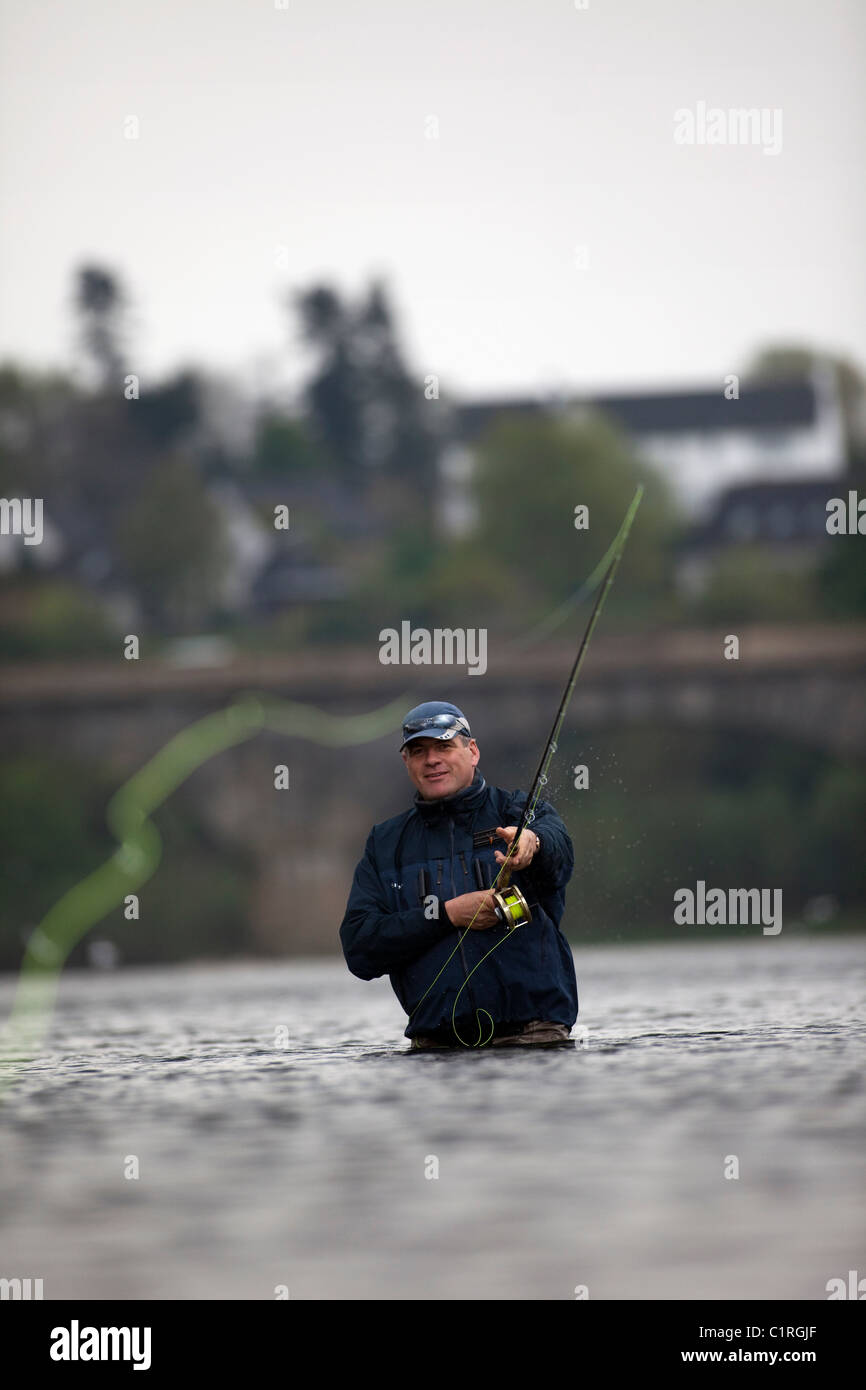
(512, 909)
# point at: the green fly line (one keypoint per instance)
(139, 845)
(140, 848)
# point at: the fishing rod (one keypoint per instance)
(512, 909)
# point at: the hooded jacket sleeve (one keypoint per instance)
(375, 938)
(553, 867)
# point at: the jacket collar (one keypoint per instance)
(462, 803)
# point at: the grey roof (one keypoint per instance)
(775, 512)
(784, 405)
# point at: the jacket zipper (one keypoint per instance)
(460, 930)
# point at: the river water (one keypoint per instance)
(286, 1139)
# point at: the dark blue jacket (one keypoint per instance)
(386, 929)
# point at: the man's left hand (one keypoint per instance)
(526, 848)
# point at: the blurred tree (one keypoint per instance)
(40, 617)
(532, 473)
(730, 806)
(333, 395)
(797, 362)
(101, 303)
(838, 814)
(164, 413)
(365, 406)
(400, 442)
(171, 545)
(283, 448)
(841, 577)
(748, 584)
(35, 413)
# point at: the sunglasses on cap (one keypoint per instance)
(454, 723)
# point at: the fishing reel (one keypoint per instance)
(512, 909)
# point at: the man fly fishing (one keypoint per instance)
(422, 909)
(509, 976)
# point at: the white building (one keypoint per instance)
(702, 442)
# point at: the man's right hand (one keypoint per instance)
(477, 910)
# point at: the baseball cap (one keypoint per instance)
(435, 719)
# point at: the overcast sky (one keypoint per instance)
(551, 234)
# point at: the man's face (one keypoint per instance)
(440, 767)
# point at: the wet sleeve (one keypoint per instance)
(375, 938)
(554, 865)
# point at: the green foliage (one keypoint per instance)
(408, 560)
(472, 580)
(747, 584)
(532, 473)
(47, 619)
(665, 809)
(838, 817)
(52, 831)
(283, 449)
(172, 541)
(36, 409)
(798, 361)
(52, 823)
(842, 578)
